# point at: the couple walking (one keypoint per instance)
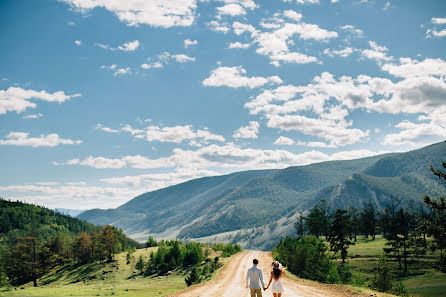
(254, 277)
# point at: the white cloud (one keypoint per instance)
(175, 134)
(413, 68)
(18, 99)
(291, 14)
(188, 42)
(376, 52)
(239, 45)
(122, 71)
(157, 13)
(439, 21)
(344, 53)
(275, 44)
(282, 140)
(181, 58)
(352, 29)
(22, 139)
(164, 59)
(219, 27)
(231, 9)
(78, 42)
(334, 131)
(110, 67)
(33, 116)
(234, 77)
(126, 47)
(307, 1)
(419, 134)
(246, 132)
(387, 5)
(240, 28)
(155, 65)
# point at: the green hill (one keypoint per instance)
(255, 208)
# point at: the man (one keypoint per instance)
(254, 277)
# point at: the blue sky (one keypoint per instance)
(103, 100)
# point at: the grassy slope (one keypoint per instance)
(100, 279)
(365, 256)
(110, 279)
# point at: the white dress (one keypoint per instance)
(277, 286)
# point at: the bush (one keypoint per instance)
(332, 276)
(307, 257)
(194, 276)
(384, 280)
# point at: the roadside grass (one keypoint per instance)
(422, 279)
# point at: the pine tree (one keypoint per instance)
(300, 225)
(369, 220)
(340, 235)
(436, 227)
(140, 264)
(194, 276)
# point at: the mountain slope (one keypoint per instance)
(257, 207)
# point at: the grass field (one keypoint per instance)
(100, 279)
(421, 281)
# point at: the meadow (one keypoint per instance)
(422, 280)
(104, 279)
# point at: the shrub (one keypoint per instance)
(194, 276)
(306, 257)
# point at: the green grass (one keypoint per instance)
(422, 281)
(100, 279)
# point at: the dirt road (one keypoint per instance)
(231, 281)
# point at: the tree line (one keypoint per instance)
(192, 256)
(36, 240)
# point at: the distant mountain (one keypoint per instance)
(71, 212)
(255, 208)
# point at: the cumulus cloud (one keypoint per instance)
(282, 140)
(353, 30)
(246, 132)
(126, 47)
(188, 42)
(413, 68)
(23, 139)
(78, 42)
(376, 52)
(307, 1)
(239, 45)
(344, 53)
(18, 99)
(275, 43)
(157, 13)
(231, 9)
(155, 65)
(165, 58)
(219, 26)
(175, 134)
(234, 77)
(419, 134)
(122, 71)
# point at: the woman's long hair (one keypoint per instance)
(277, 272)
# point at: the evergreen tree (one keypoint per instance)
(194, 276)
(140, 265)
(369, 220)
(436, 227)
(108, 241)
(151, 242)
(340, 235)
(300, 225)
(314, 222)
(353, 212)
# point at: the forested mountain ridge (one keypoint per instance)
(244, 205)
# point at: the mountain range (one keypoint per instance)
(255, 208)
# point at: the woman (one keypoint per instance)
(276, 275)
